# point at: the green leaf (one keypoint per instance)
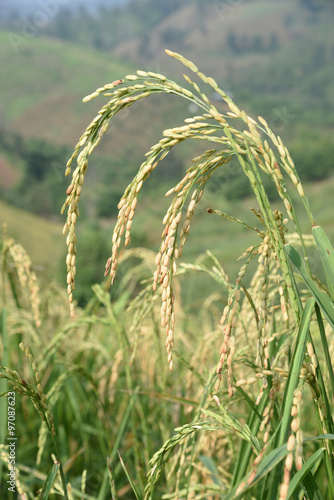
(291, 385)
(324, 301)
(128, 476)
(325, 347)
(295, 369)
(327, 256)
(50, 479)
(304, 471)
(320, 438)
(268, 463)
(122, 425)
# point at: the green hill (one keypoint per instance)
(41, 238)
(44, 83)
(275, 57)
(42, 91)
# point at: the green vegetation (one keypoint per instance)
(41, 238)
(282, 72)
(247, 410)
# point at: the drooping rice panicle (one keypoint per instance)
(16, 262)
(246, 144)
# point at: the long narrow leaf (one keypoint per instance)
(50, 479)
(291, 385)
(325, 347)
(320, 438)
(295, 368)
(304, 471)
(210, 465)
(268, 463)
(122, 426)
(327, 256)
(325, 303)
(129, 477)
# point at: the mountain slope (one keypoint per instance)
(42, 239)
(44, 83)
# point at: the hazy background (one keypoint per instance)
(275, 59)
(28, 7)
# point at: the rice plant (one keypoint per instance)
(245, 409)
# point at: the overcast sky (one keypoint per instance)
(26, 7)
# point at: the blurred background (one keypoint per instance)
(274, 58)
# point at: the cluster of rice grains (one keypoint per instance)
(17, 265)
(35, 393)
(271, 291)
(294, 445)
(211, 126)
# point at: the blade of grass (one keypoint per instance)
(103, 492)
(325, 303)
(312, 488)
(128, 476)
(254, 408)
(320, 438)
(268, 463)
(328, 421)
(291, 385)
(50, 479)
(298, 478)
(325, 347)
(295, 369)
(122, 426)
(309, 481)
(324, 395)
(205, 395)
(211, 467)
(253, 422)
(327, 256)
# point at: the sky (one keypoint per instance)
(26, 7)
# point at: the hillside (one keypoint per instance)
(274, 57)
(269, 54)
(261, 50)
(42, 91)
(44, 83)
(41, 238)
(201, 31)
